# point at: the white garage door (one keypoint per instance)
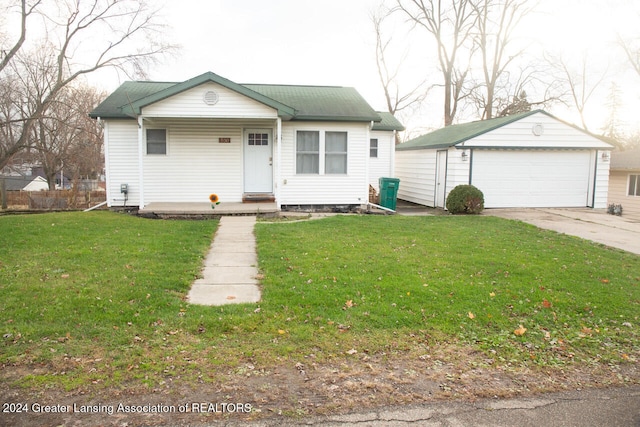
(527, 178)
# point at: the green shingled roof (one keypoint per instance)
(320, 102)
(389, 122)
(455, 134)
(330, 103)
(116, 103)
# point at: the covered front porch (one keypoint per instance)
(198, 209)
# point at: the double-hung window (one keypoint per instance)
(373, 147)
(634, 185)
(321, 152)
(156, 141)
(308, 152)
(335, 153)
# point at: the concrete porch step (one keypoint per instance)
(258, 197)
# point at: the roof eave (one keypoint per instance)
(316, 118)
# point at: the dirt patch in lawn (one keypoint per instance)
(297, 389)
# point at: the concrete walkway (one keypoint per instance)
(230, 268)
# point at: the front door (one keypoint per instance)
(258, 161)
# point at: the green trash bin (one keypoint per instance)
(389, 192)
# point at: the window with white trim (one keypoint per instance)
(156, 141)
(321, 152)
(634, 185)
(335, 153)
(307, 152)
(373, 147)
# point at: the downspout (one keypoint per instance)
(140, 162)
(380, 207)
(107, 161)
(595, 180)
(367, 162)
(392, 155)
(278, 162)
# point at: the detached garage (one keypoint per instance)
(531, 159)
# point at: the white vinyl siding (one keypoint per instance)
(555, 135)
(324, 189)
(416, 170)
(121, 161)
(191, 103)
(198, 164)
(382, 165)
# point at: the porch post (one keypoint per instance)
(278, 160)
(141, 162)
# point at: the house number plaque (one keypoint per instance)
(224, 140)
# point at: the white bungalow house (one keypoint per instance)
(531, 159)
(295, 145)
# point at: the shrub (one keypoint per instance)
(465, 199)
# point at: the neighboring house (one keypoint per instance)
(25, 183)
(624, 182)
(531, 159)
(297, 145)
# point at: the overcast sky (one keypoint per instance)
(331, 42)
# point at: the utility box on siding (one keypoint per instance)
(389, 192)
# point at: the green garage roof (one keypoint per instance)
(326, 103)
(451, 135)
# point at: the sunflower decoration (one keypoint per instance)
(214, 199)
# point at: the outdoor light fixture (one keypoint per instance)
(605, 156)
(464, 156)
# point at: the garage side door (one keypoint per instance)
(523, 178)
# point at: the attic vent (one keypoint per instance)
(210, 97)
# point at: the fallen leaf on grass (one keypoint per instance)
(352, 351)
(605, 280)
(281, 331)
(492, 294)
(471, 315)
(546, 304)
(520, 331)
(65, 276)
(587, 331)
(348, 304)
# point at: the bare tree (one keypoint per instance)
(9, 51)
(84, 36)
(581, 83)
(451, 23)
(631, 51)
(397, 100)
(495, 24)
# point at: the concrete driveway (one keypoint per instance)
(591, 224)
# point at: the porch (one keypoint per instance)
(164, 210)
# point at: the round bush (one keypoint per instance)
(465, 199)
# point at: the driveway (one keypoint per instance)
(591, 224)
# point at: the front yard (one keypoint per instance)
(356, 311)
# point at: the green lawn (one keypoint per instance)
(100, 296)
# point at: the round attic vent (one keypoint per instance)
(210, 97)
(538, 129)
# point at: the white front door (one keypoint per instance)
(258, 161)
